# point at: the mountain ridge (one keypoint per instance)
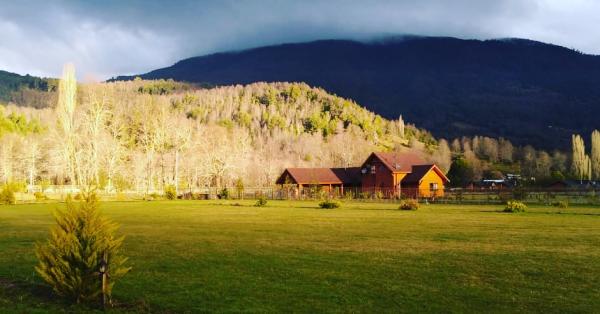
(528, 91)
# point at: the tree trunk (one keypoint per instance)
(176, 172)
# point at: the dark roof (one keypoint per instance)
(322, 175)
(349, 176)
(399, 162)
(578, 183)
(419, 171)
(492, 183)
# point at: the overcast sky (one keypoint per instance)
(109, 38)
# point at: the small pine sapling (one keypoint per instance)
(82, 259)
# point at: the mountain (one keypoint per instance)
(527, 91)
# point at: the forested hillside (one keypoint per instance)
(146, 135)
(526, 91)
(26, 90)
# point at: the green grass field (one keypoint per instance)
(191, 256)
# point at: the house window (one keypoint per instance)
(373, 169)
(433, 186)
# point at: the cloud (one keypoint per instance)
(107, 38)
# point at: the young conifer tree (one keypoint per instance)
(81, 260)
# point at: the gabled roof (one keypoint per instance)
(398, 162)
(578, 183)
(419, 171)
(351, 175)
(321, 175)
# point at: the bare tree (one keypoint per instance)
(65, 111)
(443, 155)
(505, 150)
(180, 139)
(32, 152)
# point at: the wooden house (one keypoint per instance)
(405, 174)
(389, 174)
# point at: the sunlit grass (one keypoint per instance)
(293, 256)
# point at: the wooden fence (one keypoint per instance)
(451, 195)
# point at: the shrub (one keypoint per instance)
(7, 196)
(81, 243)
(224, 194)
(152, 196)
(261, 202)
(561, 204)
(514, 207)
(170, 192)
(329, 204)
(410, 204)
(40, 196)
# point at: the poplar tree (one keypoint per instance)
(65, 111)
(588, 167)
(581, 162)
(595, 159)
(81, 260)
(401, 127)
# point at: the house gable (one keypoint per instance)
(394, 162)
(420, 172)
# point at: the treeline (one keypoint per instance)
(477, 158)
(146, 135)
(25, 89)
(150, 135)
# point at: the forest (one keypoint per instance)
(527, 91)
(144, 136)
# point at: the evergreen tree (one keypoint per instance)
(460, 173)
(80, 247)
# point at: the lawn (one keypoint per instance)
(191, 256)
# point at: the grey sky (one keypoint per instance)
(107, 38)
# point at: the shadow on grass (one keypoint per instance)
(567, 213)
(34, 295)
(541, 213)
(19, 288)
